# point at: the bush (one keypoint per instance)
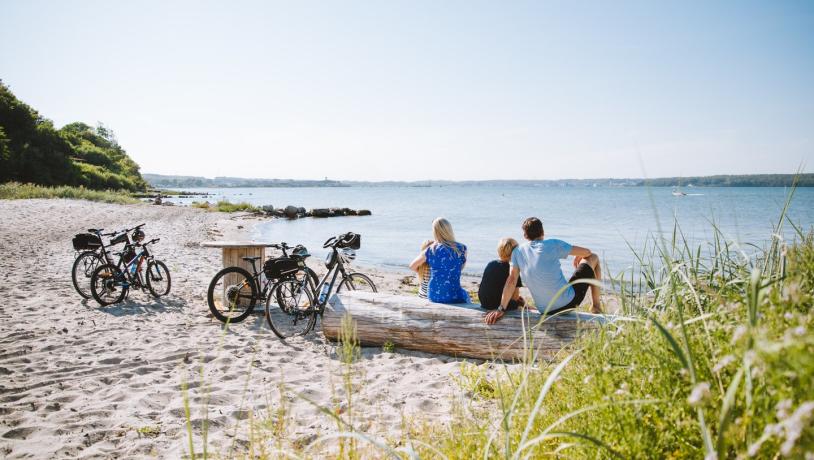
(17, 191)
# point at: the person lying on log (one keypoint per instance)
(494, 279)
(538, 261)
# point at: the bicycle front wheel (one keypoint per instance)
(232, 295)
(158, 278)
(356, 282)
(290, 308)
(108, 285)
(83, 268)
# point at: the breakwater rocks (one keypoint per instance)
(295, 212)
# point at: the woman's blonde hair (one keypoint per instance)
(443, 234)
(505, 247)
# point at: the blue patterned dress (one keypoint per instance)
(445, 278)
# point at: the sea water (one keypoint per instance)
(607, 220)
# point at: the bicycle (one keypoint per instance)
(296, 311)
(111, 283)
(234, 292)
(91, 252)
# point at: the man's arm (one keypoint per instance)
(579, 253)
(508, 292)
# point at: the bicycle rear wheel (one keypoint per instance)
(83, 268)
(290, 308)
(232, 295)
(356, 282)
(108, 285)
(158, 278)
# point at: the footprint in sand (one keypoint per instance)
(19, 433)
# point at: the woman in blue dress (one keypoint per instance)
(446, 258)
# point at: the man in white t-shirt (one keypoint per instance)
(538, 263)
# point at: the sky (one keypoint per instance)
(410, 90)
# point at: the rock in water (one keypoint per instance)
(364, 212)
(291, 212)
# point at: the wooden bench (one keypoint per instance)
(458, 330)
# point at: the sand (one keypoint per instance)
(84, 381)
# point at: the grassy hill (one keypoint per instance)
(33, 151)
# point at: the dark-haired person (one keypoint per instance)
(538, 262)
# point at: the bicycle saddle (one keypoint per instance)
(250, 258)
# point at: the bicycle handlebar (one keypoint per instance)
(334, 240)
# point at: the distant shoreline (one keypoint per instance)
(752, 180)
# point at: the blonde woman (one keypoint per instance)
(446, 259)
(494, 278)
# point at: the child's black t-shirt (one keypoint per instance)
(492, 283)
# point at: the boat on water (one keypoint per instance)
(678, 192)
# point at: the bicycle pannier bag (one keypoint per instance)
(119, 239)
(86, 242)
(277, 268)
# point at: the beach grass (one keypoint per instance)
(226, 206)
(18, 191)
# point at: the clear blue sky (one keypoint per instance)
(426, 89)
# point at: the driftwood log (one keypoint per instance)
(457, 330)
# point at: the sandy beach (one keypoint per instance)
(80, 380)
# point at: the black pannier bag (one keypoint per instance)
(119, 239)
(86, 242)
(277, 268)
(352, 241)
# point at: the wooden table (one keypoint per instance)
(233, 251)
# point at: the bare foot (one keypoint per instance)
(596, 309)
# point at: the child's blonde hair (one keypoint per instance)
(424, 269)
(505, 247)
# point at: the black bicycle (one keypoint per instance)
(91, 253)
(137, 268)
(296, 309)
(234, 292)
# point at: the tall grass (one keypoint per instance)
(18, 191)
(226, 206)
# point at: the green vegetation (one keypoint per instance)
(226, 206)
(746, 180)
(17, 191)
(33, 151)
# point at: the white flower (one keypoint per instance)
(725, 361)
(794, 426)
(782, 409)
(788, 316)
(699, 395)
(587, 379)
(740, 331)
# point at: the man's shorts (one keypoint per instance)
(583, 271)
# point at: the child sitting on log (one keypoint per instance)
(494, 278)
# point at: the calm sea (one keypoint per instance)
(604, 219)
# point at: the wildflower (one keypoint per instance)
(740, 331)
(794, 426)
(782, 409)
(788, 316)
(725, 361)
(699, 395)
(587, 379)
(800, 331)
